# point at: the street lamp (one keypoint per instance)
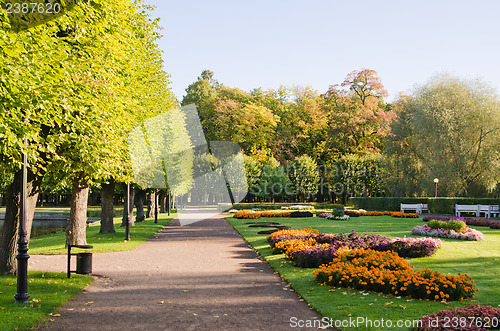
(22, 295)
(156, 206)
(436, 181)
(127, 206)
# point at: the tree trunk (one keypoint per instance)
(151, 200)
(140, 196)
(9, 236)
(169, 203)
(163, 201)
(107, 193)
(76, 234)
(130, 205)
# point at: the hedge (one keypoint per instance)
(278, 205)
(436, 205)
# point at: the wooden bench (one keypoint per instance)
(419, 208)
(488, 210)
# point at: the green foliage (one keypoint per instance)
(448, 129)
(82, 81)
(303, 173)
(273, 182)
(450, 225)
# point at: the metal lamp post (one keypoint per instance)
(156, 206)
(127, 206)
(22, 257)
(436, 181)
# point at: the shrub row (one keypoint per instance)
(436, 205)
(278, 205)
(386, 272)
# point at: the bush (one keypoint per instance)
(451, 224)
(386, 272)
(473, 317)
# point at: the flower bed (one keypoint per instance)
(386, 272)
(246, 215)
(404, 215)
(389, 213)
(352, 213)
(371, 213)
(324, 215)
(473, 317)
(275, 214)
(254, 215)
(301, 214)
(495, 225)
(308, 249)
(465, 233)
(411, 247)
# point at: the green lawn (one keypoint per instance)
(114, 242)
(480, 260)
(48, 291)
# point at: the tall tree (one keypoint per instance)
(456, 125)
(358, 117)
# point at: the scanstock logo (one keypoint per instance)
(170, 151)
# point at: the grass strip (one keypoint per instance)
(479, 259)
(48, 290)
(112, 242)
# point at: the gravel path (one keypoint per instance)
(202, 276)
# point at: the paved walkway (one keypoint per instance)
(202, 276)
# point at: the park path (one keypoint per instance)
(202, 276)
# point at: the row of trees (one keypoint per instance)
(71, 90)
(447, 128)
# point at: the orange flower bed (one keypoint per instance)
(275, 214)
(246, 215)
(404, 215)
(389, 213)
(292, 233)
(293, 245)
(371, 213)
(386, 272)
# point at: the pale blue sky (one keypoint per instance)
(270, 43)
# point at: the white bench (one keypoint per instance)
(419, 208)
(487, 210)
